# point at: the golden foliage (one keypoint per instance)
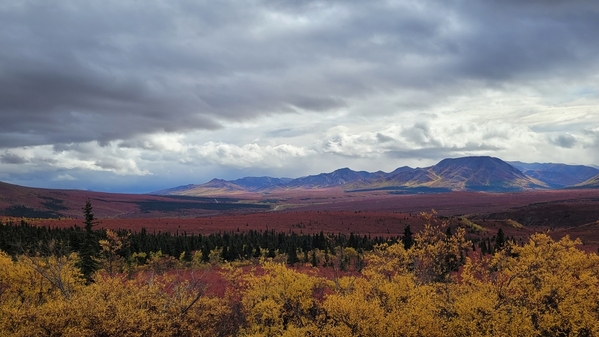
(112, 262)
(280, 302)
(112, 306)
(543, 288)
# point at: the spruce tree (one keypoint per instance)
(224, 254)
(90, 246)
(408, 238)
(271, 252)
(292, 255)
(205, 253)
(499, 240)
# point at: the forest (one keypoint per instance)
(87, 282)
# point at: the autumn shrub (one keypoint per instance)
(431, 288)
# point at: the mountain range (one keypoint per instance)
(557, 175)
(456, 174)
(481, 173)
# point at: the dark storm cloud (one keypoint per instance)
(11, 158)
(82, 71)
(565, 141)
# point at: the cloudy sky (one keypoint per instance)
(136, 96)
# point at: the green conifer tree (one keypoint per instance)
(90, 246)
(408, 237)
(499, 240)
(292, 257)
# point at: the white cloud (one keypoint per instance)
(84, 156)
(64, 177)
(246, 155)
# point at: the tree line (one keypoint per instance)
(24, 238)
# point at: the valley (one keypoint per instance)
(471, 191)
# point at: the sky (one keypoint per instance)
(138, 96)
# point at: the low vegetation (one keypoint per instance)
(514, 223)
(175, 206)
(472, 226)
(428, 284)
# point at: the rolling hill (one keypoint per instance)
(19, 201)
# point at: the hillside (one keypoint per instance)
(591, 183)
(260, 183)
(557, 175)
(459, 174)
(338, 177)
(481, 174)
(18, 201)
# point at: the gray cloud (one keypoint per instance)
(124, 88)
(566, 141)
(76, 72)
(384, 139)
(420, 133)
(515, 39)
(11, 158)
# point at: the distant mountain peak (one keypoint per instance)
(344, 169)
(481, 173)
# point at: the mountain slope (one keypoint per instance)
(467, 173)
(591, 183)
(557, 175)
(260, 183)
(175, 190)
(481, 174)
(411, 178)
(211, 188)
(338, 177)
(224, 187)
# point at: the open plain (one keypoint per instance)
(519, 214)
